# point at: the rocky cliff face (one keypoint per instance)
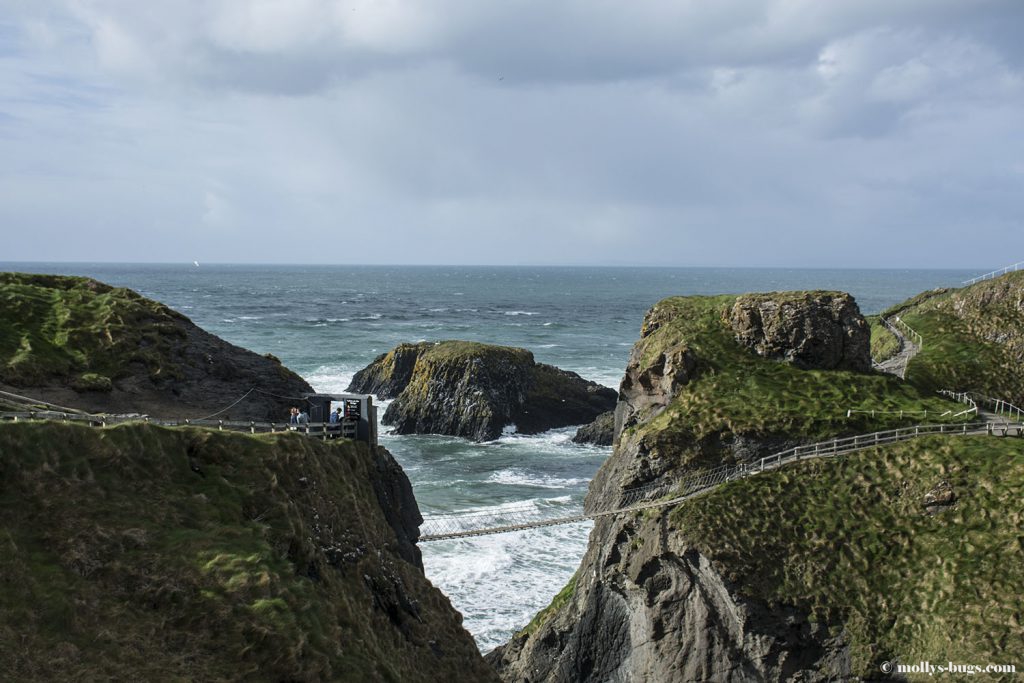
(703, 387)
(146, 553)
(476, 390)
(650, 607)
(85, 345)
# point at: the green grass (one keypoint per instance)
(737, 392)
(80, 331)
(557, 603)
(973, 338)
(121, 562)
(884, 344)
(849, 542)
(457, 349)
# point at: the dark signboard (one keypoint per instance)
(353, 407)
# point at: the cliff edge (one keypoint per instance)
(85, 345)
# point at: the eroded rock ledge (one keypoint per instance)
(475, 390)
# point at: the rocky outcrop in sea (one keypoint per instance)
(478, 390)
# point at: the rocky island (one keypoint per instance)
(818, 571)
(476, 390)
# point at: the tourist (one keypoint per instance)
(303, 417)
(336, 417)
(294, 416)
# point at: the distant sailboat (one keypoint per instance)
(195, 263)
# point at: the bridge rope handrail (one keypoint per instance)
(452, 525)
(104, 420)
(995, 273)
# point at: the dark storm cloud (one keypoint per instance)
(735, 132)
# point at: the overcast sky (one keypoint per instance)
(661, 132)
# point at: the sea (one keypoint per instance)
(327, 322)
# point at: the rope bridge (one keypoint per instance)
(468, 523)
(667, 494)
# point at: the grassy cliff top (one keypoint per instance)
(78, 329)
(144, 553)
(973, 337)
(849, 540)
(454, 349)
(736, 391)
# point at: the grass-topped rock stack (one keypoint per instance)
(476, 390)
(142, 553)
(704, 386)
(83, 344)
(810, 573)
(973, 338)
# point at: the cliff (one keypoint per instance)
(476, 390)
(814, 572)
(973, 338)
(146, 553)
(82, 344)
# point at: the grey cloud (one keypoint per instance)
(727, 133)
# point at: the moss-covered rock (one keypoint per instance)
(86, 345)
(146, 553)
(476, 390)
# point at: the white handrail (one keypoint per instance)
(995, 273)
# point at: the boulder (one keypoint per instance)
(600, 432)
(812, 330)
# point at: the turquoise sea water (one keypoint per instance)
(326, 322)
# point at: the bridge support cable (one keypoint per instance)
(667, 494)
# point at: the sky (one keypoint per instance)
(790, 133)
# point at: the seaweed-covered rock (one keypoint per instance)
(477, 390)
(79, 343)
